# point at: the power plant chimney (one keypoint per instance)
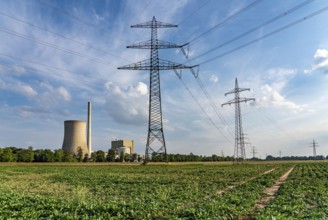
(89, 129)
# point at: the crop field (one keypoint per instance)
(189, 191)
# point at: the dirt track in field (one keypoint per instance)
(220, 192)
(270, 192)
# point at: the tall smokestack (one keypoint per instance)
(89, 128)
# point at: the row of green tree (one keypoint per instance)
(318, 157)
(13, 154)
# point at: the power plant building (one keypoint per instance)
(125, 146)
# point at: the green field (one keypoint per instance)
(189, 191)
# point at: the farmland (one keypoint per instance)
(188, 191)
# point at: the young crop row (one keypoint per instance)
(134, 192)
(304, 195)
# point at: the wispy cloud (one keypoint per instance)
(320, 62)
(214, 78)
(19, 88)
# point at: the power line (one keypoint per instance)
(194, 12)
(265, 119)
(144, 8)
(225, 20)
(54, 46)
(59, 35)
(75, 17)
(268, 34)
(203, 110)
(214, 106)
(255, 28)
(47, 66)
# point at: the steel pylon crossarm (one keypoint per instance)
(162, 65)
(159, 44)
(154, 24)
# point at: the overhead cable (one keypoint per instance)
(54, 46)
(255, 28)
(59, 35)
(75, 17)
(322, 10)
(239, 12)
(203, 110)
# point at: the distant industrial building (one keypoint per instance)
(78, 135)
(125, 146)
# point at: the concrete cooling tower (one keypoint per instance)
(75, 137)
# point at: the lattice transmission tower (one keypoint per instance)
(155, 139)
(254, 152)
(239, 151)
(314, 145)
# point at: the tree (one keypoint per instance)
(25, 155)
(269, 157)
(59, 155)
(121, 159)
(93, 156)
(127, 157)
(68, 157)
(111, 155)
(86, 158)
(79, 154)
(48, 156)
(7, 155)
(100, 156)
(38, 156)
(134, 157)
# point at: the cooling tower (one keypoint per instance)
(75, 137)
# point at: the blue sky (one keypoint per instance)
(55, 56)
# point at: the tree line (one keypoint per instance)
(318, 157)
(13, 154)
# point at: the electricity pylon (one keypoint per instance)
(155, 139)
(254, 152)
(239, 151)
(314, 145)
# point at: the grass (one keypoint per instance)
(129, 191)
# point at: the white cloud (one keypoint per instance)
(271, 89)
(280, 73)
(214, 78)
(64, 93)
(271, 97)
(320, 62)
(23, 89)
(51, 95)
(26, 90)
(128, 106)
